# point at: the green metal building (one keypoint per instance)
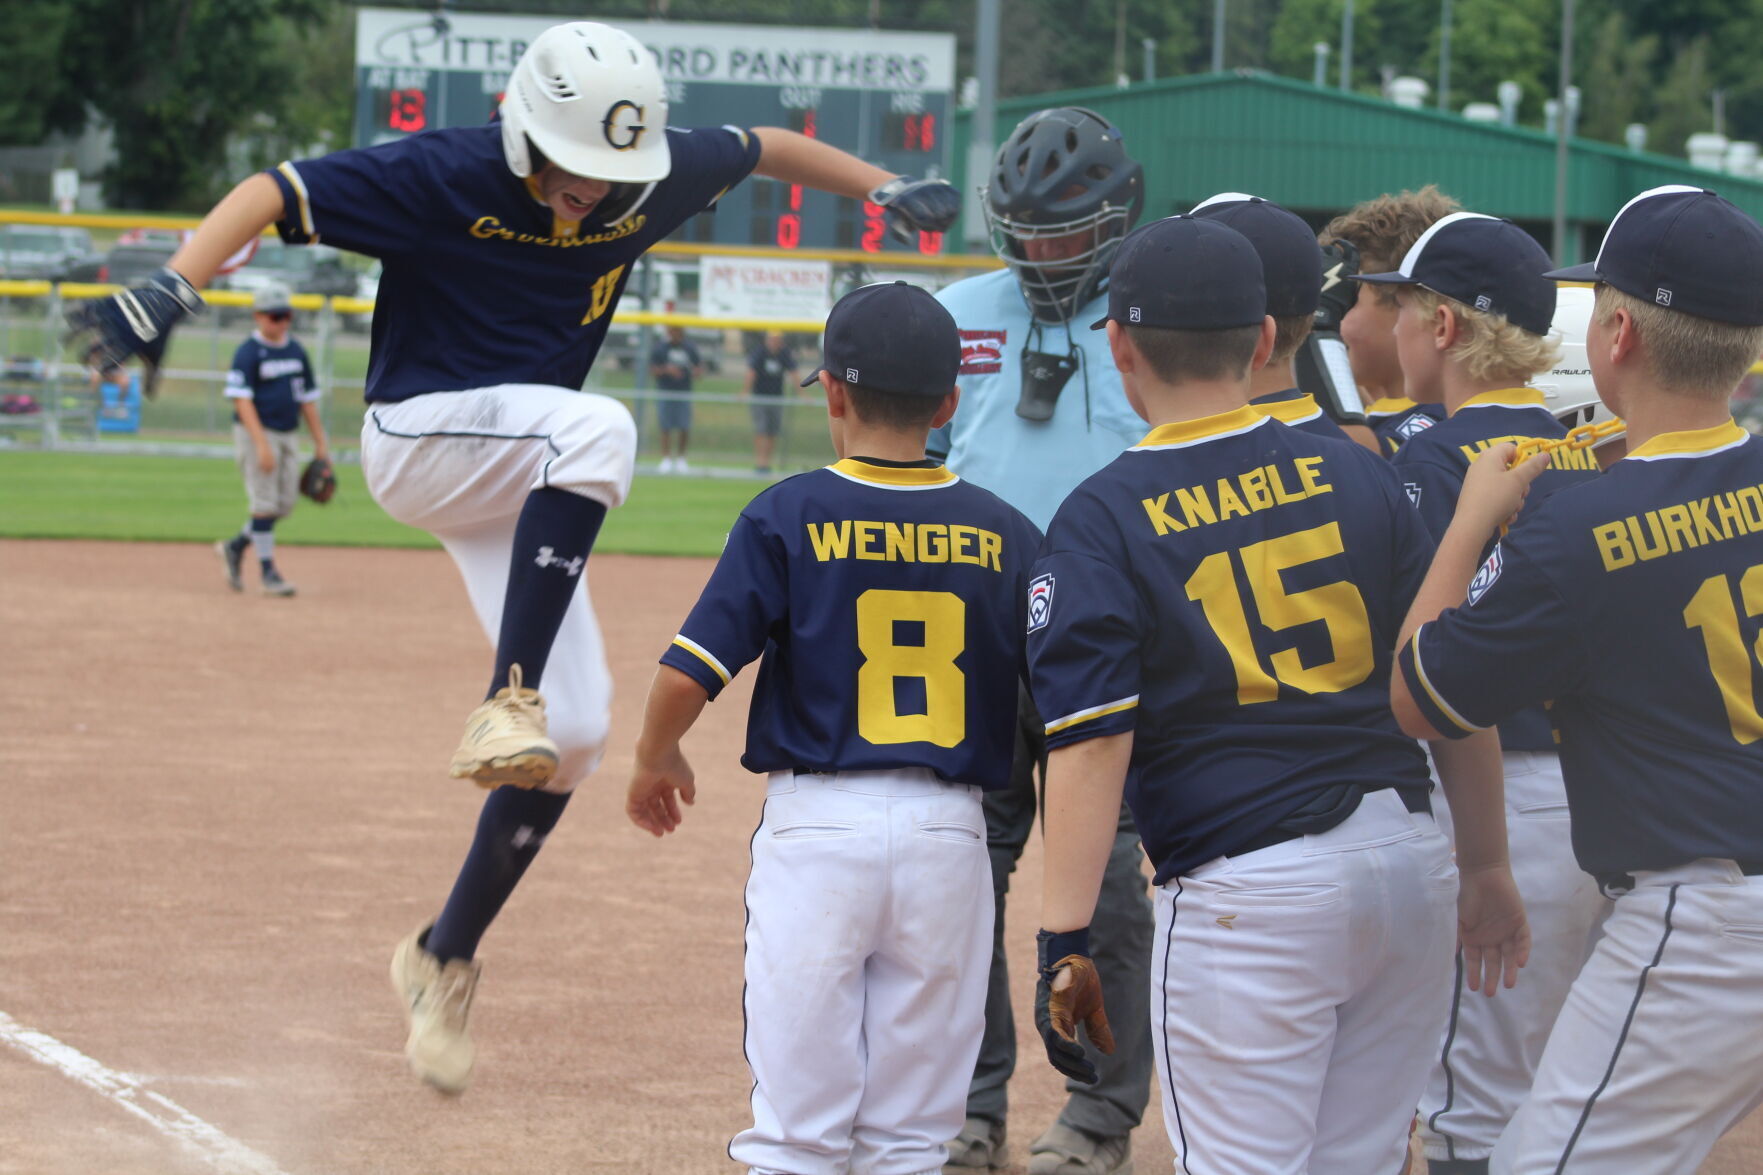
(1319, 151)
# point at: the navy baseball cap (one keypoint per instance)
(1183, 273)
(1685, 249)
(1291, 260)
(1483, 262)
(893, 337)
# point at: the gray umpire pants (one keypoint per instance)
(1120, 936)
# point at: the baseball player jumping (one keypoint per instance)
(887, 598)
(1223, 599)
(1633, 601)
(506, 248)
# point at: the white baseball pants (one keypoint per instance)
(869, 935)
(1659, 1047)
(1484, 1065)
(460, 466)
(1295, 996)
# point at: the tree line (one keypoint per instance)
(180, 80)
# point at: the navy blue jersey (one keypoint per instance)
(277, 380)
(682, 355)
(889, 604)
(1301, 411)
(481, 284)
(1230, 591)
(1434, 462)
(1394, 421)
(769, 370)
(1636, 603)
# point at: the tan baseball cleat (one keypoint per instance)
(505, 740)
(437, 999)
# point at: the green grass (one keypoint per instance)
(46, 495)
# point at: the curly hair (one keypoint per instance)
(1488, 346)
(1385, 228)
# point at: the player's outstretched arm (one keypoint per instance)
(913, 205)
(1492, 929)
(239, 218)
(662, 777)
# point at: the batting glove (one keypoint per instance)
(136, 322)
(1069, 993)
(1340, 263)
(917, 206)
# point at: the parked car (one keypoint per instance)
(305, 269)
(125, 265)
(43, 251)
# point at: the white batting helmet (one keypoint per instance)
(591, 98)
(1567, 386)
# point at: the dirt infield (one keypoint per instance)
(219, 813)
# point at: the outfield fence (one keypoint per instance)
(66, 408)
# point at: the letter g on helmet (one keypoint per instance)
(591, 98)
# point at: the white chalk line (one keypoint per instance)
(125, 1090)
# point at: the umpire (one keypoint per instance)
(1042, 408)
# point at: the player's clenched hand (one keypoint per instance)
(917, 206)
(1069, 993)
(1492, 930)
(1494, 488)
(137, 321)
(657, 787)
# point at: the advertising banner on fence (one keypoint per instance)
(776, 290)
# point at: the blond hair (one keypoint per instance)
(1289, 333)
(1489, 346)
(1385, 228)
(1685, 353)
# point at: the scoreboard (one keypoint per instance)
(883, 96)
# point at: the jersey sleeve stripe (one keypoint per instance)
(1444, 707)
(299, 186)
(1090, 715)
(703, 655)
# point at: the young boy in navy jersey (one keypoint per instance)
(888, 599)
(1291, 265)
(1222, 600)
(272, 389)
(1632, 601)
(506, 248)
(1472, 329)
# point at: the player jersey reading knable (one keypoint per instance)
(277, 380)
(1301, 411)
(888, 602)
(482, 285)
(1229, 590)
(1432, 466)
(1393, 421)
(1636, 603)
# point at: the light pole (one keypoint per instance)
(1319, 76)
(1218, 36)
(1444, 54)
(1347, 47)
(1562, 132)
(980, 147)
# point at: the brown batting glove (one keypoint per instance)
(1069, 993)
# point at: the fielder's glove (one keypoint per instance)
(318, 480)
(914, 206)
(137, 321)
(1069, 993)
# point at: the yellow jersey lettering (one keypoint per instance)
(991, 550)
(1706, 531)
(866, 535)
(1660, 545)
(1281, 495)
(601, 301)
(1309, 476)
(899, 541)
(1731, 515)
(933, 542)
(961, 538)
(1676, 521)
(1255, 490)
(1228, 502)
(1156, 509)
(1752, 501)
(1196, 507)
(1613, 545)
(832, 540)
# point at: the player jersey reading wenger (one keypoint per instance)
(888, 602)
(1230, 590)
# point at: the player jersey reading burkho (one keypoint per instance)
(541, 291)
(1661, 739)
(868, 588)
(1264, 574)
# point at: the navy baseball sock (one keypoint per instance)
(512, 826)
(556, 531)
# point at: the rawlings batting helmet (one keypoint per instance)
(589, 98)
(1567, 387)
(1062, 173)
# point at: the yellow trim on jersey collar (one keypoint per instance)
(1206, 428)
(1506, 398)
(1692, 442)
(915, 477)
(560, 227)
(1293, 411)
(1390, 406)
